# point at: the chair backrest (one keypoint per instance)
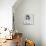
(18, 39)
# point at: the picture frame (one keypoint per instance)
(29, 20)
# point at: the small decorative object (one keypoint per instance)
(29, 20)
(5, 29)
(29, 43)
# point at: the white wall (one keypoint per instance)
(38, 30)
(30, 31)
(43, 22)
(6, 13)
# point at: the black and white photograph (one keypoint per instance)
(29, 20)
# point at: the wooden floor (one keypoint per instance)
(9, 43)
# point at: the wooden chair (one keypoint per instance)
(18, 39)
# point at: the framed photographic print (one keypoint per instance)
(29, 20)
